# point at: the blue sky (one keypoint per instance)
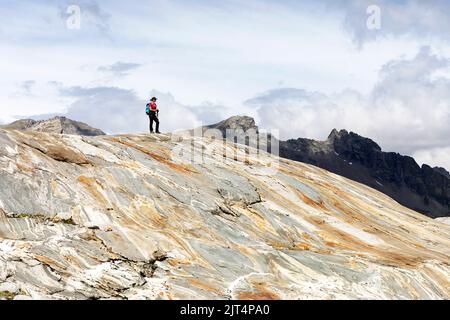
(304, 67)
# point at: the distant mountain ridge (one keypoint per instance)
(244, 123)
(442, 171)
(423, 189)
(60, 125)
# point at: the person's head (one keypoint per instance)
(154, 99)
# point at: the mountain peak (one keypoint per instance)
(349, 140)
(335, 134)
(442, 171)
(348, 154)
(57, 124)
(235, 123)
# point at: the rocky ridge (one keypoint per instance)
(61, 125)
(423, 189)
(128, 217)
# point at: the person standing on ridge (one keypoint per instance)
(153, 112)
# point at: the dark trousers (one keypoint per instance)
(153, 117)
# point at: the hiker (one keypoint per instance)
(153, 112)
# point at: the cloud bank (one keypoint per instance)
(408, 111)
(119, 69)
(117, 110)
(414, 18)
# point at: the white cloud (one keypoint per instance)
(119, 69)
(201, 51)
(408, 111)
(412, 18)
(437, 156)
(92, 15)
(27, 86)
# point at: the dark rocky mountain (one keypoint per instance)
(61, 125)
(423, 189)
(442, 171)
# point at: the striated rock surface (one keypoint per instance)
(127, 217)
(60, 125)
(444, 220)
